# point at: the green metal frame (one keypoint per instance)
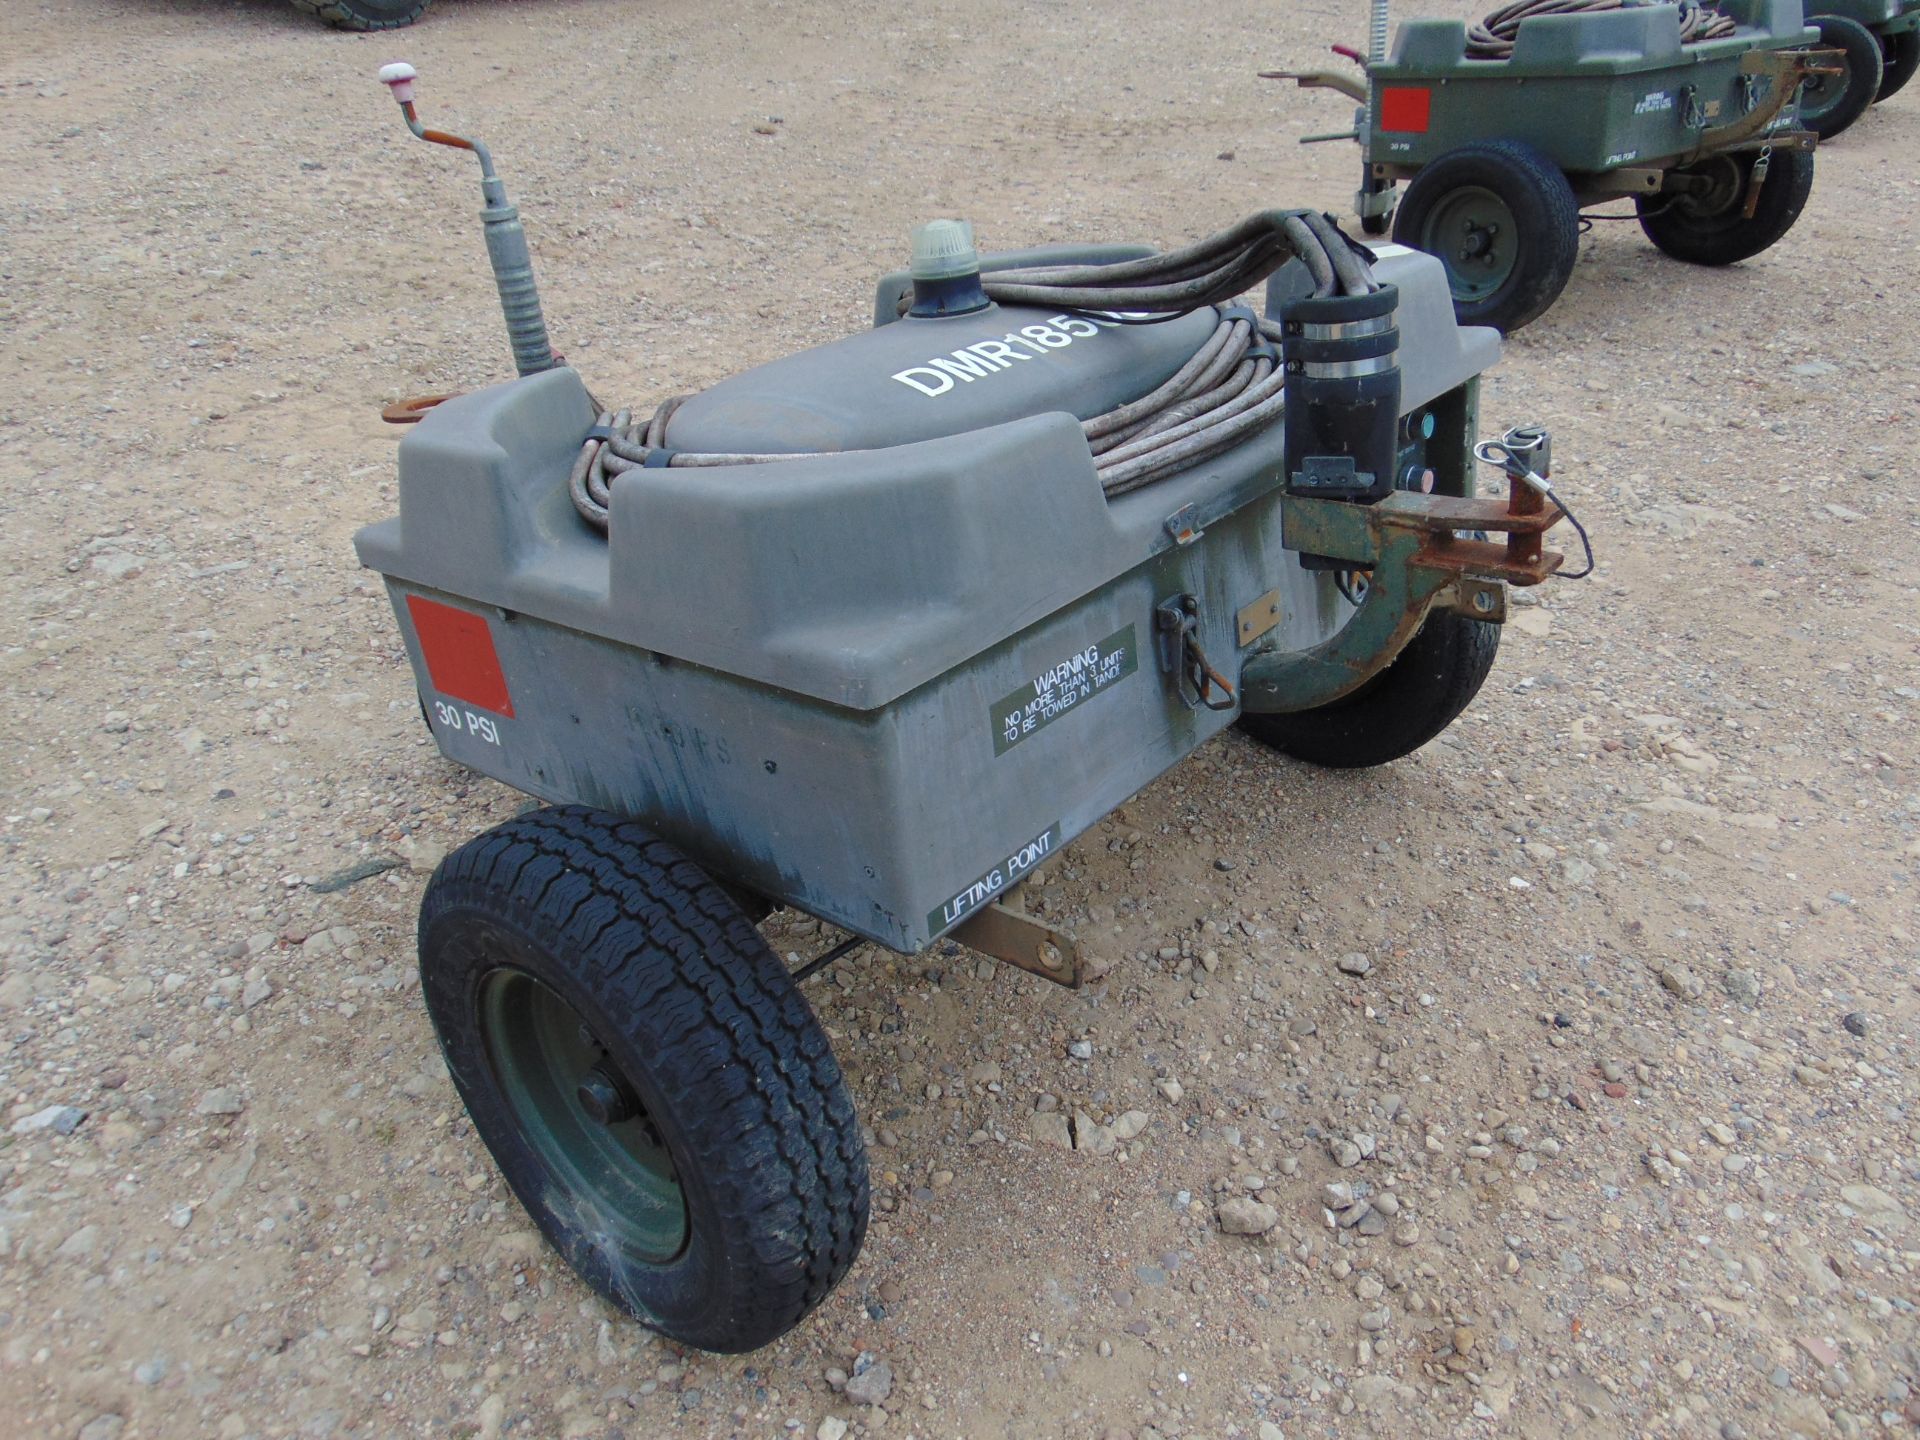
(1882, 17)
(1574, 94)
(1418, 557)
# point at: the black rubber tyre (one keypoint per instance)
(1713, 229)
(729, 1097)
(1830, 103)
(364, 14)
(1502, 218)
(1899, 58)
(1375, 224)
(1403, 707)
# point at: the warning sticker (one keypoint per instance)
(988, 886)
(1060, 687)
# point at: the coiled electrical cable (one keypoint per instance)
(1493, 37)
(1230, 388)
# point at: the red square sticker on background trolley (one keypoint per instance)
(1406, 108)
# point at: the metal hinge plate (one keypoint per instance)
(1256, 619)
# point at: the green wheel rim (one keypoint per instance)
(613, 1165)
(1820, 93)
(1727, 177)
(1473, 233)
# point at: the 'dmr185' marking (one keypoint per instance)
(989, 357)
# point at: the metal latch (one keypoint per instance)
(1756, 177)
(1176, 627)
(1691, 114)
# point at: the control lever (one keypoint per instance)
(506, 238)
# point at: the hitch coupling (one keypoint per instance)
(1420, 551)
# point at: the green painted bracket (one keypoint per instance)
(1784, 70)
(1393, 540)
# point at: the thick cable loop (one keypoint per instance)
(1493, 37)
(1229, 388)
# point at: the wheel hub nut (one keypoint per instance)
(604, 1098)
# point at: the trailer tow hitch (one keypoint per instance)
(1421, 553)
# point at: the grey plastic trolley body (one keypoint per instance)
(883, 686)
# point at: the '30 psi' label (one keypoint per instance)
(466, 722)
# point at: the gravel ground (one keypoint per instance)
(1566, 1069)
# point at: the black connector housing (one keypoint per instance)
(1342, 395)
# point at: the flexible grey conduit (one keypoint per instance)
(1225, 391)
(1493, 37)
